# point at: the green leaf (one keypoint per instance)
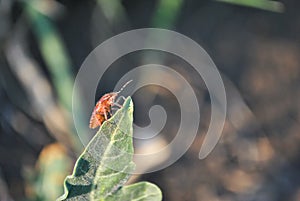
(53, 51)
(57, 60)
(273, 6)
(106, 164)
(141, 191)
(166, 13)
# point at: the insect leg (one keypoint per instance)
(110, 113)
(105, 115)
(120, 97)
(116, 103)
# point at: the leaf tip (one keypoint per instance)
(128, 103)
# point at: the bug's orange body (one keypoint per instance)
(103, 108)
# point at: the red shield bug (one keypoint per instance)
(103, 108)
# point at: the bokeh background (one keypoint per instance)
(254, 44)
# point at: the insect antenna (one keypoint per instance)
(124, 86)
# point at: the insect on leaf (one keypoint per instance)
(106, 164)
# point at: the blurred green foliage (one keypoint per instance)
(54, 53)
(45, 183)
(166, 13)
(57, 59)
(260, 4)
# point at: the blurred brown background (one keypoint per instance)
(254, 44)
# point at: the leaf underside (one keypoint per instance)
(106, 164)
